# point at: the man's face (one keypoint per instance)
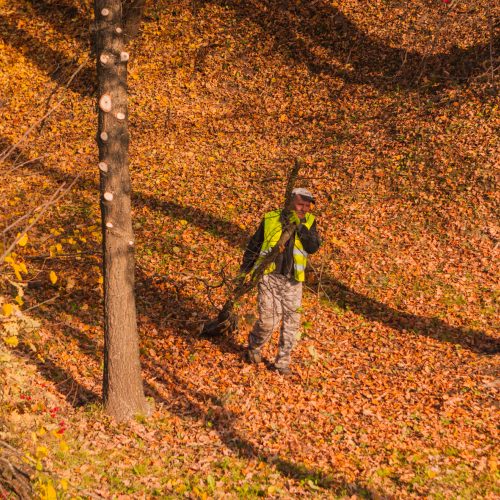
(300, 205)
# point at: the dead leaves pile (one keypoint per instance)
(396, 375)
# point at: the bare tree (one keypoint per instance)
(122, 384)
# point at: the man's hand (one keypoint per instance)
(294, 218)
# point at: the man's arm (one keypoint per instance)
(252, 250)
(309, 237)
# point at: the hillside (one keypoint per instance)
(394, 107)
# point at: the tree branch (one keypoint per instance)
(56, 196)
(226, 320)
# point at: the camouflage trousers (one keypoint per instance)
(279, 299)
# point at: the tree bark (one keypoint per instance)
(123, 391)
(132, 15)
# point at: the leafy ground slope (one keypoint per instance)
(393, 105)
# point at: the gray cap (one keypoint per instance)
(304, 193)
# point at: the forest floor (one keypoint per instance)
(394, 391)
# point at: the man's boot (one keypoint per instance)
(282, 370)
(254, 356)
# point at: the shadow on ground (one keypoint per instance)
(297, 28)
(190, 404)
(475, 340)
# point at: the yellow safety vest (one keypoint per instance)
(272, 234)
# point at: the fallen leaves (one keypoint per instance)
(11, 341)
(7, 309)
(23, 240)
(393, 391)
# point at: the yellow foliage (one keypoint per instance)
(12, 341)
(53, 277)
(7, 309)
(271, 490)
(23, 240)
(17, 271)
(41, 451)
(47, 491)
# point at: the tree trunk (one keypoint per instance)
(132, 15)
(122, 382)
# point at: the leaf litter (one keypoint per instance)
(395, 377)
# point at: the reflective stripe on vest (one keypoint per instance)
(272, 234)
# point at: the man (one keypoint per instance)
(280, 289)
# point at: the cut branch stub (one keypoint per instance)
(103, 166)
(108, 196)
(109, 224)
(104, 58)
(120, 116)
(105, 104)
(105, 12)
(104, 136)
(124, 56)
(118, 30)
